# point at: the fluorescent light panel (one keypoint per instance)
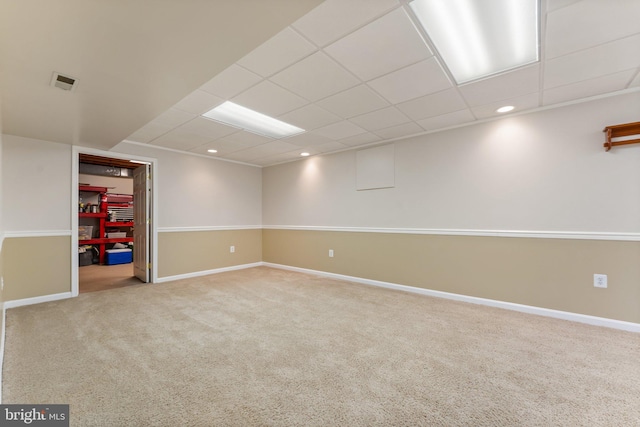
(478, 38)
(241, 117)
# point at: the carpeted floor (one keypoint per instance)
(265, 347)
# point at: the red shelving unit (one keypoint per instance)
(92, 215)
(120, 201)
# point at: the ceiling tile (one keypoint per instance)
(387, 44)
(605, 59)
(399, 131)
(231, 82)
(309, 117)
(180, 140)
(315, 77)
(264, 150)
(198, 102)
(207, 128)
(327, 147)
(353, 102)
(591, 87)
(508, 85)
(245, 156)
(173, 117)
(270, 99)
(278, 158)
(149, 132)
(339, 130)
(586, 24)
(521, 103)
(282, 50)
(413, 81)
(240, 140)
(589, 48)
(380, 119)
(557, 4)
(307, 139)
(446, 120)
(432, 105)
(335, 18)
(360, 139)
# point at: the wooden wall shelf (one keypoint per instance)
(617, 131)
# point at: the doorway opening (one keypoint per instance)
(113, 245)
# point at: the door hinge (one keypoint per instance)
(148, 177)
(149, 266)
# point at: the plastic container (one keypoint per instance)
(85, 232)
(118, 256)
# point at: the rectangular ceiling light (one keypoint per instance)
(478, 38)
(241, 117)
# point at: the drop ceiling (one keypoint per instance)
(353, 73)
(133, 60)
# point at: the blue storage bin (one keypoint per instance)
(118, 256)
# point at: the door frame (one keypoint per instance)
(153, 230)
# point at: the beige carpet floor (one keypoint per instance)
(264, 347)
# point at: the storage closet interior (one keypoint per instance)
(105, 223)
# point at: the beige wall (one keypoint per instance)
(549, 273)
(543, 174)
(36, 266)
(194, 251)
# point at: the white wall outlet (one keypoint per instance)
(330, 253)
(232, 249)
(600, 280)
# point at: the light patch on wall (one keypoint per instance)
(375, 168)
(509, 140)
(310, 174)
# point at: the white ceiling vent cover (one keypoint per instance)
(63, 82)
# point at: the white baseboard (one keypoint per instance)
(207, 272)
(37, 300)
(565, 315)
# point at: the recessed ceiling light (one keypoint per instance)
(244, 118)
(505, 109)
(305, 154)
(212, 151)
(476, 38)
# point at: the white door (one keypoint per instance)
(141, 211)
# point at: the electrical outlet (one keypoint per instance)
(600, 280)
(330, 253)
(232, 249)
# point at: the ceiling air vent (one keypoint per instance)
(63, 82)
